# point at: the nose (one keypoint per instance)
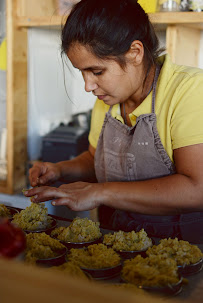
(90, 83)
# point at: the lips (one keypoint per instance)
(101, 97)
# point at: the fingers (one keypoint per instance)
(42, 173)
(64, 201)
(59, 197)
(47, 178)
(76, 196)
(34, 174)
(46, 193)
(71, 204)
(43, 193)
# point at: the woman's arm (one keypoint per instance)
(178, 193)
(77, 169)
(80, 168)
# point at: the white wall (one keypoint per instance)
(2, 19)
(162, 38)
(54, 94)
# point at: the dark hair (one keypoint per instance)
(108, 27)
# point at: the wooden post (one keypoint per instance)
(182, 44)
(16, 101)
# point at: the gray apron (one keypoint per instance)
(136, 153)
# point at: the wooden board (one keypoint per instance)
(161, 20)
(183, 44)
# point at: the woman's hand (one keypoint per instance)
(44, 173)
(78, 196)
(77, 169)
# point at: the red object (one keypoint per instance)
(12, 239)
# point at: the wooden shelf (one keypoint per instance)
(50, 21)
(177, 17)
(193, 19)
(189, 19)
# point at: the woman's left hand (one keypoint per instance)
(78, 196)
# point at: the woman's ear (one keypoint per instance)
(136, 52)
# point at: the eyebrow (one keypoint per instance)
(91, 68)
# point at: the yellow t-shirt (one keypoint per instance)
(178, 107)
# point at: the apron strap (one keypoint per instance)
(157, 72)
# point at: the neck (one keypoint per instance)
(132, 103)
(144, 90)
(148, 82)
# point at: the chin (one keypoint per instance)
(110, 101)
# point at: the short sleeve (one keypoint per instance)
(187, 118)
(97, 120)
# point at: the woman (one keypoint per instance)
(144, 166)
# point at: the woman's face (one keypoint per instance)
(105, 78)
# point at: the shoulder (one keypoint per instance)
(177, 75)
(179, 104)
(176, 82)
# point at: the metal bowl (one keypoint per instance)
(79, 244)
(103, 273)
(46, 230)
(170, 289)
(129, 254)
(56, 261)
(100, 273)
(187, 270)
(13, 211)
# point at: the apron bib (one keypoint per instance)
(136, 153)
